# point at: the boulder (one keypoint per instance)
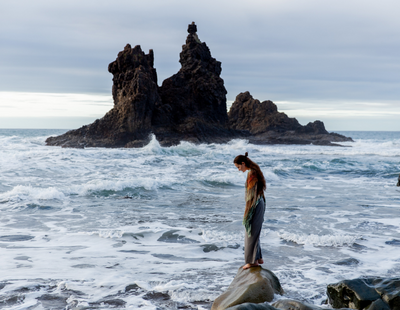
(398, 181)
(253, 285)
(289, 304)
(251, 306)
(362, 293)
(378, 304)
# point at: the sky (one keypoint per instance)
(337, 61)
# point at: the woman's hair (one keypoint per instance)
(261, 186)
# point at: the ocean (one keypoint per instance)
(160, 227)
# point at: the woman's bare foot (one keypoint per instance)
(260, 261)
(247, 266)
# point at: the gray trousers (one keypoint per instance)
(252, 249)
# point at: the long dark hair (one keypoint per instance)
(261, 185)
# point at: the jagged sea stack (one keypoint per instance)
(190, 105)
(194, 99)
(135, 94)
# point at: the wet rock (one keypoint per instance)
(251, 306)
(157, 296)
(9, 301)
(253, 285)
(398, 182)
(347, 262)
(289, 304)
(115, 303)
(394, 242)
(172, 237)
(210, 247)
(15, 238)
(389, 290)
(378, 304)
(49, 301)
(355, 294)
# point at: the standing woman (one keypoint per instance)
(255, 208)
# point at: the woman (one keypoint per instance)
(254, 212)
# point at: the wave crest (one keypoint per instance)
(316, 240)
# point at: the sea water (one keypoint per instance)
(160, 227)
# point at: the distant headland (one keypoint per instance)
(188, 106)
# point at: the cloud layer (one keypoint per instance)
(310, 51)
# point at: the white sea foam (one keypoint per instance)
(21, 192)
(316, 240)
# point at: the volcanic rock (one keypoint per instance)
(135, 94)
(253, 285)
(365, 293)
(194, 99)
(189, 106)
(265, 125)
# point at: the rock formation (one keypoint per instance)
(253, 285)
(193, 100)
(135, 94)
(190, 106)
(266, 125)
(372, 293)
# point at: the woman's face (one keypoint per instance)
(241, 167)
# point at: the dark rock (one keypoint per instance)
(288, 304)
(378, 304)
(189, 106)
(251, 306)
(249, 114)
(394, 242)
(50, 301)
(194, 99)
(253, 285)
(109, 302)
(11, 301)
(135, 94)
(347, 262)
(398, 182)
(132, 287)
(210, 247)
(265, 125)
(389, 290)
(156, 296)
(172, 237)
(355, 294)
(15, 238)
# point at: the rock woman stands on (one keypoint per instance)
(255, 208)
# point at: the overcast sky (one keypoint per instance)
(337, 61)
